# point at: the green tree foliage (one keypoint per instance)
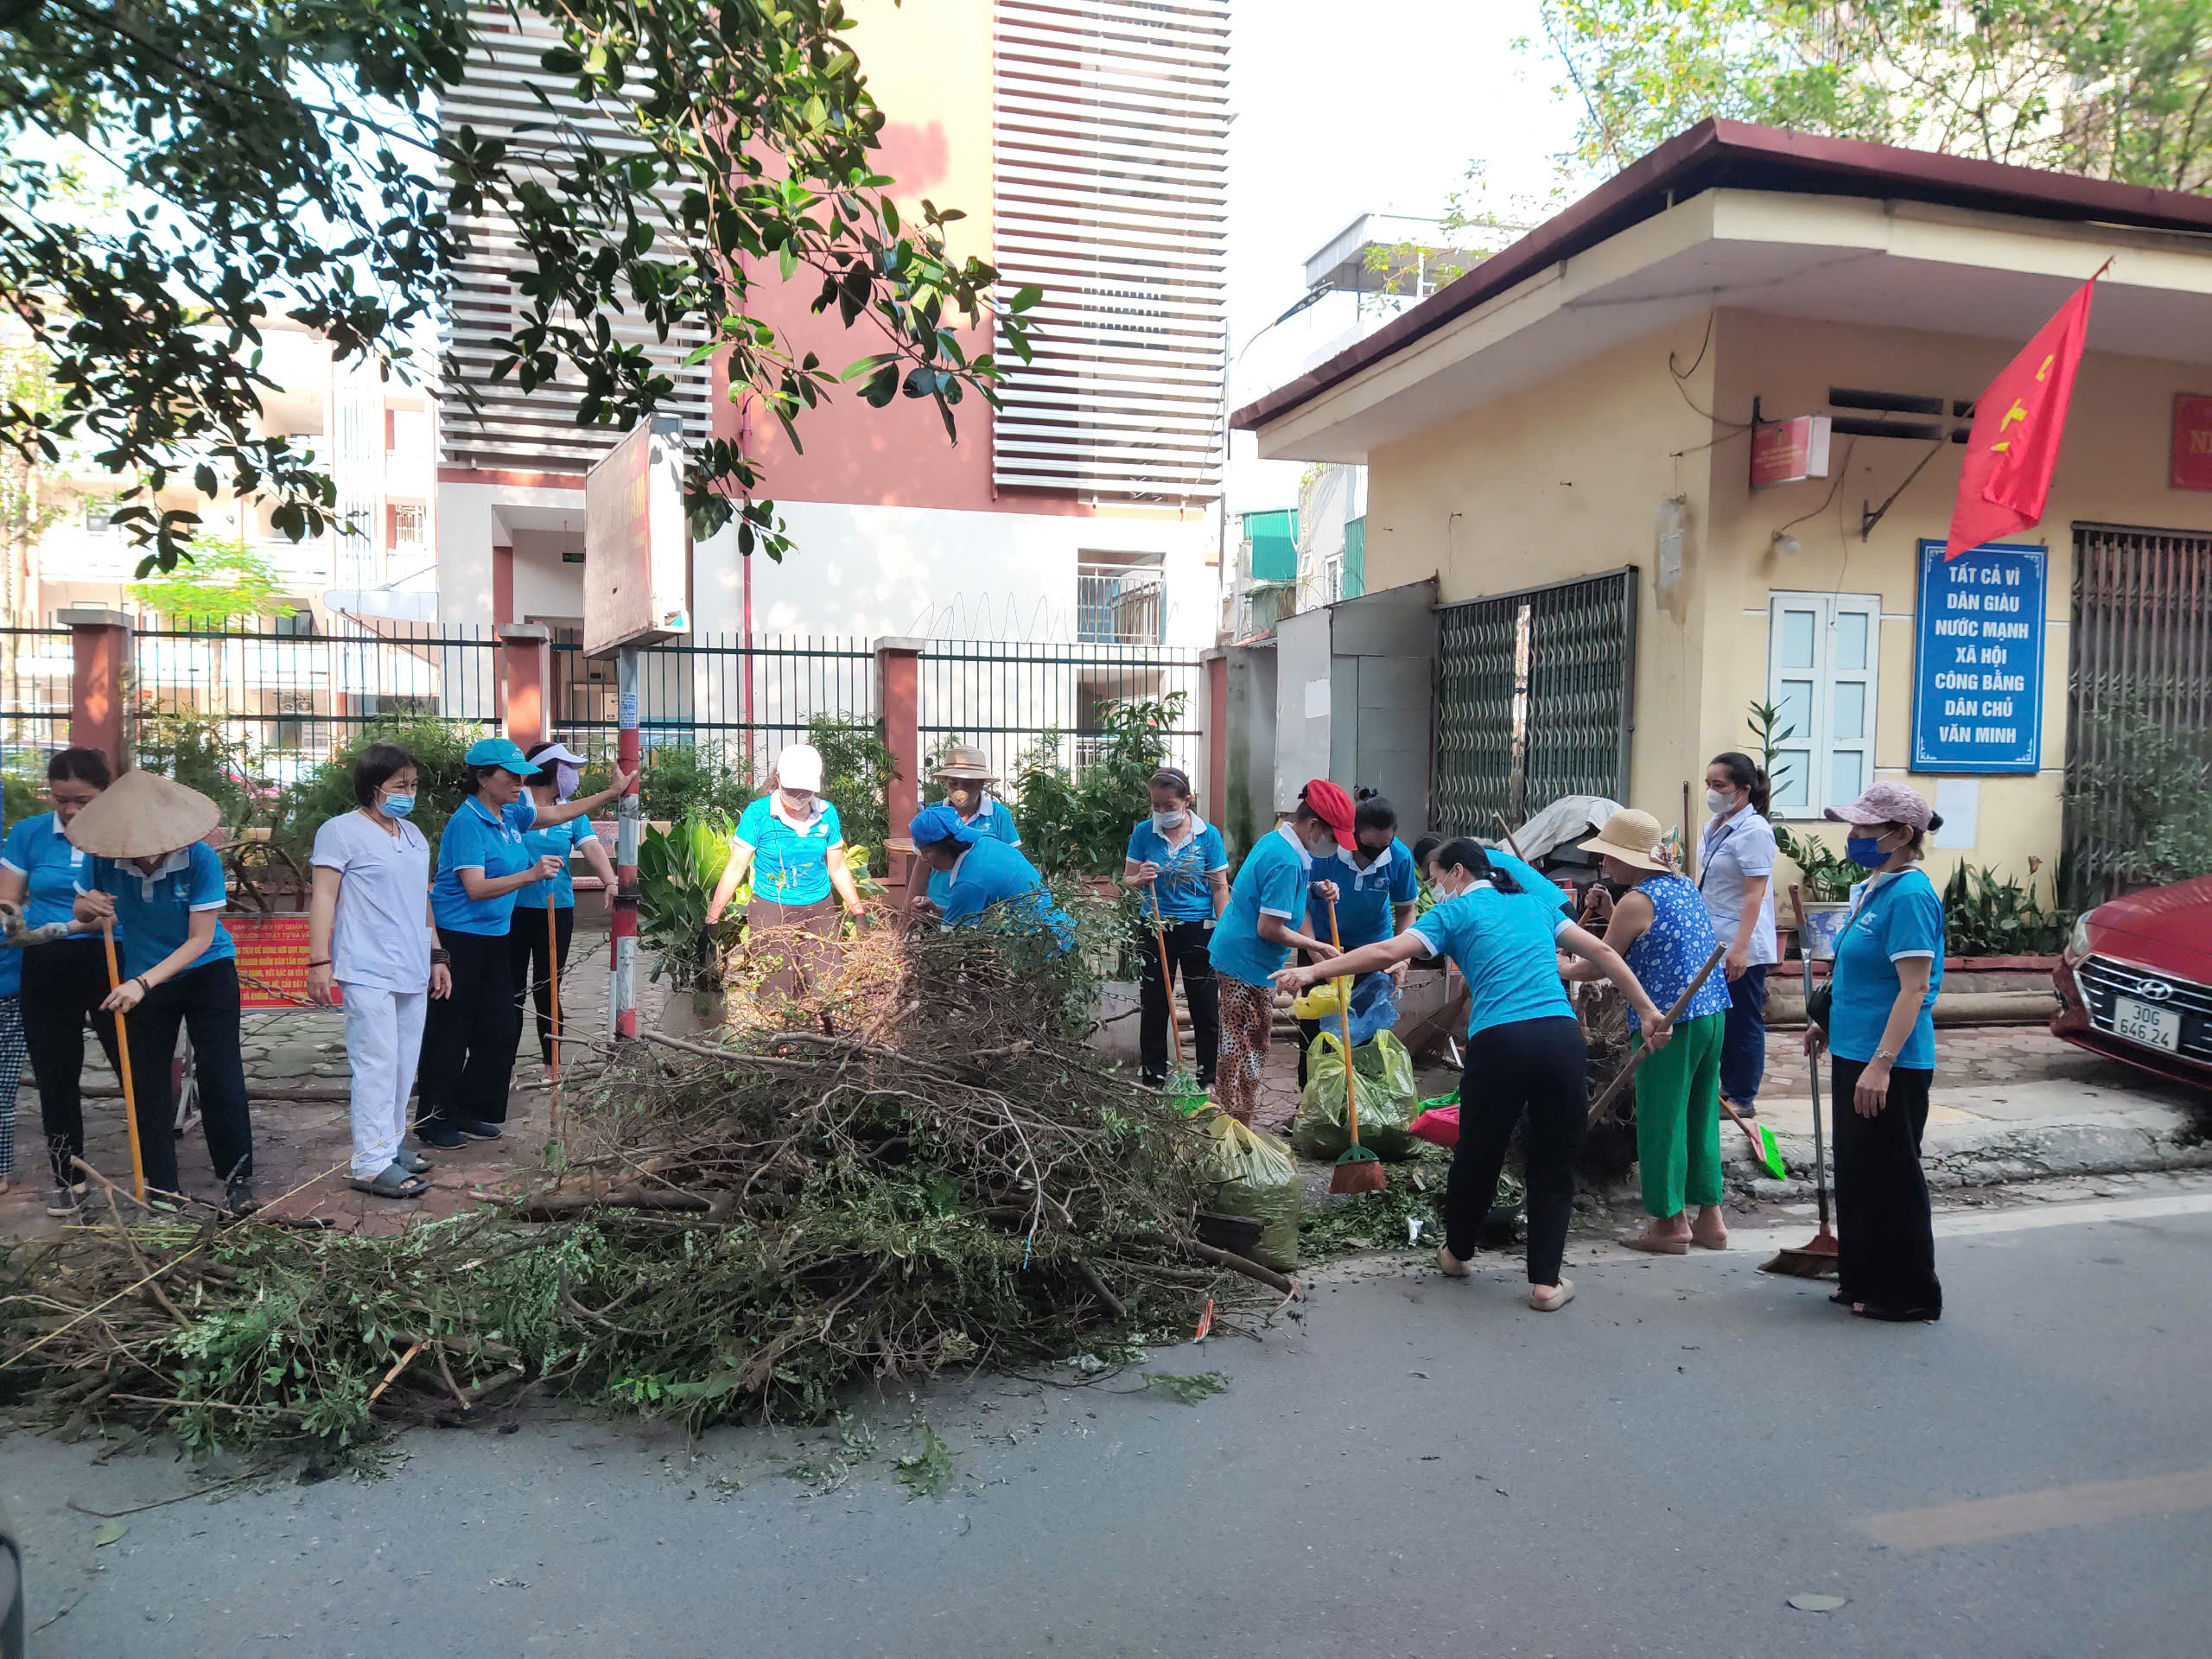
(856, 765)
(286, 161)
(327, 791)
(2146, 787)
(1076, 821)
(2119, 89)
(225, 579)
(202, 752)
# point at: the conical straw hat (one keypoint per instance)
(142, 814)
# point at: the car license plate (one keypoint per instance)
(2139, 1022)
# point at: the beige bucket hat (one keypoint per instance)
(1630, 836)
(967, 764)
(142, 814)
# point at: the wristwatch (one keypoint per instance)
(1887, 1056)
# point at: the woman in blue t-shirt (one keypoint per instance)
(1177, 863)
(534, 951)
(1525, 1052)
(793, 841)
(1881, 1033)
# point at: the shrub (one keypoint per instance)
(857, 766)
(198, 751)
(1076, 821)
(327, 791)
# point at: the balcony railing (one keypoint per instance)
(1118, 606)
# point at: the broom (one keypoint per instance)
(1820, 1258)
(553, 986)
(122, 1064)
(1166, 981)
(1358, 1170)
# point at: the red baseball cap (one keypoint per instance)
(1333, 807)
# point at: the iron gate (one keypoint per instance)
(2141, 661)
(1534, 700)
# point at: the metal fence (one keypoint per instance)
(1048, 701)
(36, 666)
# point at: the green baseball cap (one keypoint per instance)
(503, 753)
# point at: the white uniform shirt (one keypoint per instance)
(380, 937)
(1742, 846)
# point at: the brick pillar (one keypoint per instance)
(527, 648)
(1214, 722)
(101, 641)
(898, 703)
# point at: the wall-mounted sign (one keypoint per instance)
(2192, 461)
(1790, 452)
(1977, 679)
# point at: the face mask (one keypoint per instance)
(1323, 846)
(1864, 850)
(565, 779)
(398, 806)
(1164, 822)
(798, 801)
(1716, 802)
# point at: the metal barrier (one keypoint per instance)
(1017, 700)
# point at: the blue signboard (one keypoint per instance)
(1978, 646)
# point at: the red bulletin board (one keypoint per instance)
(274, 951)
(2192, 457)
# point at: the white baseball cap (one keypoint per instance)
(799, 767)
(560, 753)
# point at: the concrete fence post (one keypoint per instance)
(899, 705)
(101, 643)
(1213, 721)
(527, 648)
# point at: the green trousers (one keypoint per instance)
(1678, 1118)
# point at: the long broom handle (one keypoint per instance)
(1636, 1055)
(1166, 984)
(553, 976)
(1344, 1024)
(122, 1064)
(1820, 1127)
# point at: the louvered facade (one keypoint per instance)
(1110, 184)
(511, 430)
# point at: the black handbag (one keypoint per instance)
(1818, 1003)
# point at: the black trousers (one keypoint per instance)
(64, 984)
(1540, 1068)
(469, 1039)
(205, 1001)
(1886, 1234)
(531, 960)
(1187, 958)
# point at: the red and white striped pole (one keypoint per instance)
(622, 1005)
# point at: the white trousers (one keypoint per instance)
(384, 1040)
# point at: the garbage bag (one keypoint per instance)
(1388, 1099)
(1255, 1177)
(1374, 1007)
(1321, 1001)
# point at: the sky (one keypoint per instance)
(1357, 105)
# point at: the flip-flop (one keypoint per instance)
(1653, 1246)
(394, 1183)
(1550, 1301)
(1702, 1245)
(413, 1162)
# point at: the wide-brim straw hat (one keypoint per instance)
(966, 764)
(1630, 836)
(143, 815)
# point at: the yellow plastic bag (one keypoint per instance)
(1321, 1002)
(1255, 1177)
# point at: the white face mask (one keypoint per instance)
(1165, 821)
(1716, 802)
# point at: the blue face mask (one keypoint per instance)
(398, 806)
(1864, 850)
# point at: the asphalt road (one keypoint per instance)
(1418, 1468)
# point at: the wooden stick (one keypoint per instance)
(123, 1063)
(1344, 1024)
(553, 979)
(1636, 1054)
(396, 1369)
(1505, 832)
(1249, 1268)
(1166, 984)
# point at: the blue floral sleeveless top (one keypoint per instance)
(1675, 947)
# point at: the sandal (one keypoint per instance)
(394, 1183)
(1652, 1246)
(1550, 1301)
(413, 1162)
(1450, 1264)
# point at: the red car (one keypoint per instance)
(2136, 981)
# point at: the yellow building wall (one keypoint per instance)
(2113, 469)
(1567, 479)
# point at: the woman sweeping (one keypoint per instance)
(986, 882)
(65, 981)
(538, 950)
(1662, 930)
(1881, 1031)
(1525, 1053)
(792, 841)
(966, 776)
(150, 870)
(370, 940)
(469, 1037)
(1177, 862)
(1736, 880)
(1254, 938)
(1370, 888)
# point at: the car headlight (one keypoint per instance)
(2077, 942)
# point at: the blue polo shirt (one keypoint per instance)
(1365, 896)
(560, 839)
(476, 838)
(1183, 887)
(791, 865)
(1273, 882)
(991, 877)
(994, 820)
(1504, 946)
(1897, 916)
(37, 850)
(154, 913)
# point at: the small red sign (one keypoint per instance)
(1788, 452)
(272, 960)
(2192, 463)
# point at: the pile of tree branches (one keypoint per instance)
(945, 1177)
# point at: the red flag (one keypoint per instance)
(2018, 424)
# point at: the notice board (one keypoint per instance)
(1978, 652)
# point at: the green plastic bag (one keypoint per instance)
(1255, 1178)
(1388, 1099)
